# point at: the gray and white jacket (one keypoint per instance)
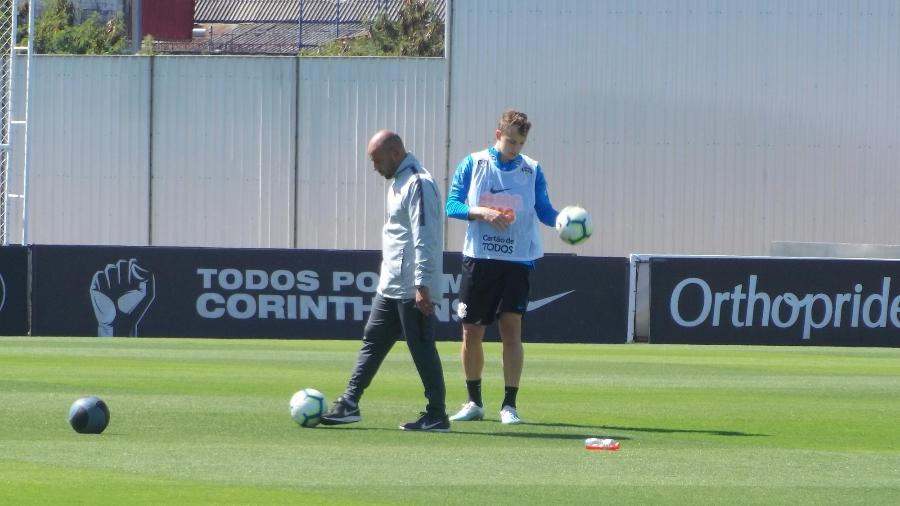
(412, 244)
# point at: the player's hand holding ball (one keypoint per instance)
(574, 225)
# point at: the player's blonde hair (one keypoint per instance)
(514, 120)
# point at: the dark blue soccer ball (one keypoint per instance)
(89, 415)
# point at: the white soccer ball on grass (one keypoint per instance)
(574, 224)
(307, 407)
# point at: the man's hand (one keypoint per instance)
(121, 294)
(423, 301)
(499, 219)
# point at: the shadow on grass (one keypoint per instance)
(589, 431)
(509, 432)
(658, 430)
(543, 435)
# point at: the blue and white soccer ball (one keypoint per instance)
(574, 225)
(307, 407)
(89, 415)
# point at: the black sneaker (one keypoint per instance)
(428, 422)
(341, 412)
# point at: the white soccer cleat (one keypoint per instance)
(470, 411)
(509, 416)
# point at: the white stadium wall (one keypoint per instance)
(695, 127)
(343, 101)
(90, 142)
(231, 164)
(223, 151)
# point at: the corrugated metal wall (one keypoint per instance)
(89, 173)
(224, 151)
(343, 101)
(242, 11)
(685, 127)
(694, 127)
(236, 155)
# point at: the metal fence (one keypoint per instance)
(697, 128)
(7, 41)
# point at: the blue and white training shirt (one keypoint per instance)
(518, 187)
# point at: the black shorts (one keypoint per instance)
(491, 287)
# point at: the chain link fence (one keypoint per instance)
(7, 19)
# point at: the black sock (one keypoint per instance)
(509, 399)
(474, 388)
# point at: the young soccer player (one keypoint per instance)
(503, 196)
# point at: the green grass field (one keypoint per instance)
(206, 421)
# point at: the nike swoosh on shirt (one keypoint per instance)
(494, 190)
(535, 304)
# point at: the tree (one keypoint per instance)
(417, 31)
(21, 19)
(147, 46)
(57, 32)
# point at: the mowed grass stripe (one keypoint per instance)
(207, 420)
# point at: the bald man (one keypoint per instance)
(408, 287)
